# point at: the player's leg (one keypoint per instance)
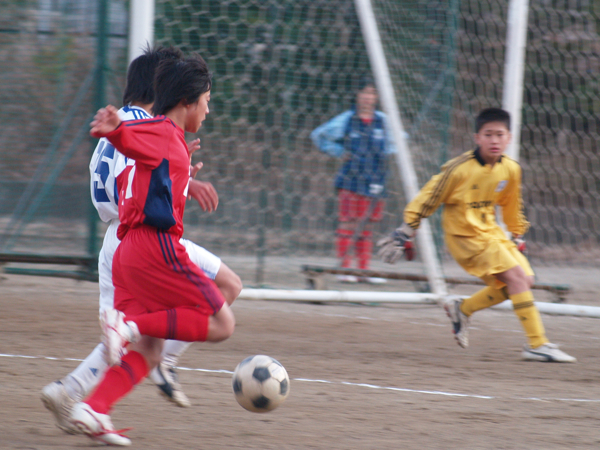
(484, 298)
(91, 416)
(164, 375)
(518, 281)
(229, 283)
(538, 348)
(60, 396)
(347, 222)
(154, 270)
(371, 212)
(484, 257)
(459, 310)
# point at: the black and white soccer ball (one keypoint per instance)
(260, 383)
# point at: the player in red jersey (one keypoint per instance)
(159, 293)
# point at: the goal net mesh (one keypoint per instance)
(281, 68)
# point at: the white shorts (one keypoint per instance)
(209, 263)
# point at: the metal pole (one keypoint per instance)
(403, 157)
(141, 27)
(99, 102)
(514, 67)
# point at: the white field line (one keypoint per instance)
(357, 385)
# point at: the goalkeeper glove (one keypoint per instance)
(520, 243)
(397, 244)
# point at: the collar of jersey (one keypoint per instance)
(479, 159)
(139, 109)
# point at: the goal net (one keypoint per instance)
(281, 68)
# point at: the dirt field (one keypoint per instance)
(363, 377)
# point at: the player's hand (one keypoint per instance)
(398, 243)
(205, 194)
(105, 121)
(195, 169)
(520, 243)
(192, 147)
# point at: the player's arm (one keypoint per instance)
(511, 203)
(140, 140)
(390, 143)
(430, 197)
(329, 137)
(435, 192)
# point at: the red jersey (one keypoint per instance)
(154, 191)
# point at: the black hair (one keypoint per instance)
(366, 80)
(176, 80)
(492, 115)
(140, 74)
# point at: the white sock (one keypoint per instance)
(173, 350)
(171, 353)
(87, 375)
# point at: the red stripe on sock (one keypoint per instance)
(118, 381)
(185, 323)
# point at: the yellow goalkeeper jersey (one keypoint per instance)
(470, 189)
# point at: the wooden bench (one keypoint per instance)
(315, 277)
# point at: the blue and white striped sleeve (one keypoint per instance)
(329, 137)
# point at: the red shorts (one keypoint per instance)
(153, 272)
(353, 206)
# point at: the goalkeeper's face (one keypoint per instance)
(492, 139)
(366, 99)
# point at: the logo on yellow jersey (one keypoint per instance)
(501, 185)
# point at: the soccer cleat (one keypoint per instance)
(116, 334)
(97, 426)
(165, 378)
(351, 279)
(56, 400)
(547, 353)
(373, 280)
(460, 322)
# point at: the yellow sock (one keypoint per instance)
(483, 299)
(530, 318)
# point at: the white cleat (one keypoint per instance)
(350, 279)
(56, 400)
(373, 280)
(116, 334)
(460, 322)
(97, 426)
(547, 353)
(165, 377)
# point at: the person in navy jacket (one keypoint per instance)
(361, 137)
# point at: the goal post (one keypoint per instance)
(141, 27)
(408, 175)
(514, 67)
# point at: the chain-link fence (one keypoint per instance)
(48, 88)
(281, 68)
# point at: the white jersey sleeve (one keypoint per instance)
(105, 165)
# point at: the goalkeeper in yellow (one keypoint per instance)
(470, 186)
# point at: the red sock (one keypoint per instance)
(184, 323)
(344, 238)
(118, 382)
(364, 248)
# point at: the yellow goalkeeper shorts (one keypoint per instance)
(486, 256)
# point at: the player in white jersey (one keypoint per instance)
(105, 166)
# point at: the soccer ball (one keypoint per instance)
(260, 383)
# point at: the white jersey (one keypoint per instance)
(106, 164)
